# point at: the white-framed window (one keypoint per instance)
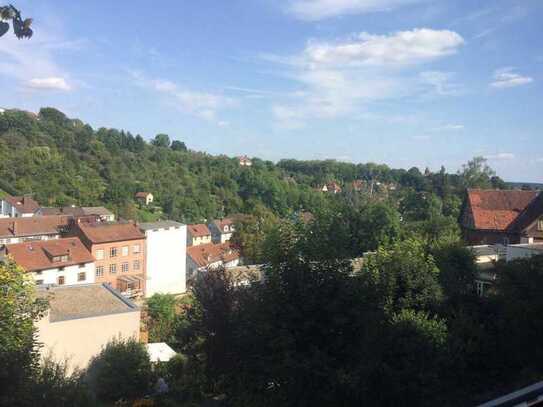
(100, 271)
(112, 252)
(124, 251)
(100, 254)
(136, 265)
(124, 267)
(112, 268)
(136, 248)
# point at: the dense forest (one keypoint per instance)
(62, 161)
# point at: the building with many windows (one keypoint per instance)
(119, 252)
(60, 261)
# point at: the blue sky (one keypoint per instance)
(401, 82)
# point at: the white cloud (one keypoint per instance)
(403, 47)
(312, 10)
(204, 105)
(500, 156)
(52, 83)
(506, 78)
(449, 127)
(440, 82)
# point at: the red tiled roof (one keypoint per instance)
(38, 255)
(23, 204)
(206, 254)
(110, 232)
(495, 209)
(198, 230)
(32, 226)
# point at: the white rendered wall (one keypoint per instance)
(166, 260)
(70, 273)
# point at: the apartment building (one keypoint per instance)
(222, 230)
(166, 256)
(119, 252)
(198, 234)
(60, 261)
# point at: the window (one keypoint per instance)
(100, 271)
(112, 268)
(100, 254)
(136, 265)
(81, 276)
(136, 249)
(60, 280)
(124, 267)
(124, 250)
(540, 224)
(112, 252)
(481, 287)
(39, 282)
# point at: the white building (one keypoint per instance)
(221, 230)
(61, 261)
(18, 206)
(166, 257)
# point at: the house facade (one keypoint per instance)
(17, 230)
(502, 217)
(18, 206)
(210, 256)
(82, 319)
(245, 161)
(198, 234)
(145, 198)
(221, 230)
(166, 251)
(119, 252)
(61, 261)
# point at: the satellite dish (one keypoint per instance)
(4, 27)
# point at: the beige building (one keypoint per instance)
(198, 234)
(82, 319)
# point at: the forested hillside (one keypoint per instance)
(64, 161)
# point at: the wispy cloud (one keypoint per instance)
(449, 127)
(312, 10)
(52, 83)
(204, 105)
(500, 156)
(507, 78)
(337, 78)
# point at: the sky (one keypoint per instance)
(402, 82)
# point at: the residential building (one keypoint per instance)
(145, 198)
(166, 252)
(505, 217)
(198, 234)
(60, 261)
(16, 230)
(102, 214)
(82, 319)
(18, 206)
(221, 230)
(119, 252)
(331, 187)
(210, 256)
(245, 161)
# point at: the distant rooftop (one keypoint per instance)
(161, 224)
(106, 232)
(85, 301)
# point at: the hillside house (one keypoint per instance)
(221, 230)
(166, 252)
(245, 161)
(82, 319)
(198, 234)
(18, 206)
(17, 230)
(504, 217)
(331, 187)
(61, 261)
(144, 198)
(119, 252)
(210, 256)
